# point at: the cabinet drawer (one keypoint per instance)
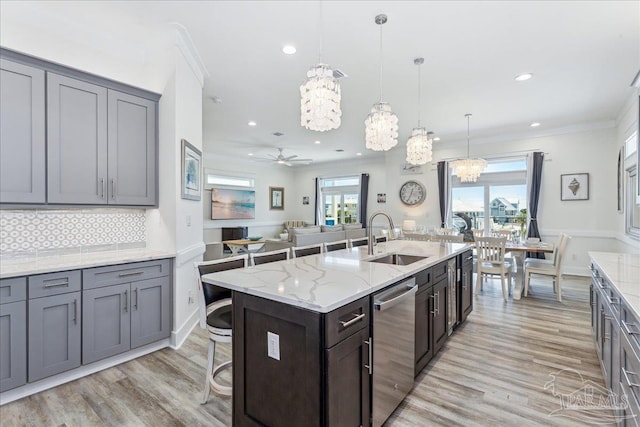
(44, 285)
(630, 375)
(345, 321)
(124, 273)
(467, 258)
(630, 327)
(423, 278)
(438, 271)
(13, 289)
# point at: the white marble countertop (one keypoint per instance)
(623, 272)
(327, 281)
(47, 264)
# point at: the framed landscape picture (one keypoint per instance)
(574, 186)
(191, 165)
(233, 204)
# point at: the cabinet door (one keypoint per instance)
(105, 322)
(22, 134)
(439, 311)
(348, 380)
(150, 311)
(54, 334)
(77, 141)
(132, 150)
(13, 345)
(424, 351)
(466, 292)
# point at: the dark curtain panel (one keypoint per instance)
(441, 189)
(364, 191)
(534, 197)
(315, 211)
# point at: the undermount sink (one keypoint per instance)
(397, 259)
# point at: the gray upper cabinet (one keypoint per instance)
(22, 134)
(77, 141)
(132, 150)
(72, 138)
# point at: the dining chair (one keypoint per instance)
(258, 258)
(477, 232)
(417, 236)
(491, 260)
(447, 238)
(509, 235)
(554, 255)
(447, 231)
(214, 311)
(334, 246)
(381, 239)
(551, 270)
(360, 241)
(302, 251)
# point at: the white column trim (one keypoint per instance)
(188, 254)
(187, 47)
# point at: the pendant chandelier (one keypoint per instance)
(320, 96)
(381, 125)
(468, 170)
(419, 146)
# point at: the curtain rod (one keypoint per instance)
(496, 156)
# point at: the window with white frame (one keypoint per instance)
(497, 201)
(632, 200)
(232, 181)
(340, 200)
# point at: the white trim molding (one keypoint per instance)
(188, 254)
(187, 47)
(180, 335)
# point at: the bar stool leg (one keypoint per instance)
(207, 384)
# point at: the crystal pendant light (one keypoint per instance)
(419, 146)
(468, 170)
(381, 125)
(320, 96)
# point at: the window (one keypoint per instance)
(340, 200)
(497, 201)
(229, 180)
(633, 203)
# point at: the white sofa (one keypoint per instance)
(310, 235)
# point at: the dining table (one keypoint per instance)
(519, 251)
(238, 244)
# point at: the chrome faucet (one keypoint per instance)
(372, 238)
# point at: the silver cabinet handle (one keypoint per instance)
(608, 317)
(126, 301)
(464, 281)
(612, 300)
(357, 318)
(113, 188)
(136, 304)
(101, 187)
(434, 305)
(383, 305)
(606, 337)
(369, 366)
(75, 311)
(626, 378)
(627, 328)
(56, 284)
(132, 273)
(469, 257)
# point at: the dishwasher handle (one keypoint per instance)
(384, 304)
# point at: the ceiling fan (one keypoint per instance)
(282, 160)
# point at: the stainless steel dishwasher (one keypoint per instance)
(393, 347)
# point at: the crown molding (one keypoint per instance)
(187, 47)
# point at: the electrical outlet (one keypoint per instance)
(273, 345)
(188, 220)
(190, 297)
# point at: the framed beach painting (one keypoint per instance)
(233, 204)
(191, 175)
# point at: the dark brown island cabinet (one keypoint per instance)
(321, 374)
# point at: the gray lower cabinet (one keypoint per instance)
(13, 345)
(121, 313)
(54, 334)
(76, 141)
(22, 134)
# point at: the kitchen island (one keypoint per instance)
(304, 345)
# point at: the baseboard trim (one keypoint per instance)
(79, 372)
(179, 336)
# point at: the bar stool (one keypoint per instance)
(215, 312)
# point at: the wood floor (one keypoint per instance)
(491, 372)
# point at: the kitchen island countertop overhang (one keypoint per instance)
(325, 282)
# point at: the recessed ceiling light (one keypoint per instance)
(534, 124)
(289, 49)
(316, 142)
(251, 154)
(437, 138)
(524, 76)
(358, 154)
(252, 123)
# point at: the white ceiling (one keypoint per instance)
(584, 55)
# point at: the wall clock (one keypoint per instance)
(412, 193)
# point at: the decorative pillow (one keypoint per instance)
(303, 230)
(332, 227)
(352, 226)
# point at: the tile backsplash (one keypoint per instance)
(51, 232)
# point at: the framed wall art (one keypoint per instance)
(233, 204)
(191, 187)
(276, 198)
(574, 186)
